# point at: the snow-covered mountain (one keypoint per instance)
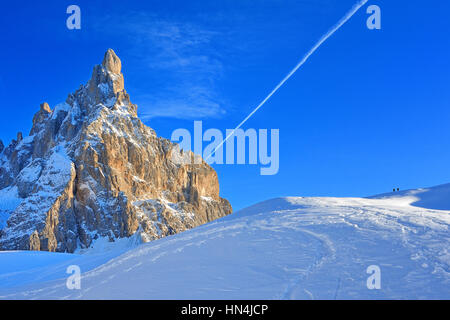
(285, 248)
(90, 169)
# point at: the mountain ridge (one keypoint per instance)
(90, 169)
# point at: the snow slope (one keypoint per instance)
(432, 198)
(285, 248)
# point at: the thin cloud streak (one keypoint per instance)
(182, 65)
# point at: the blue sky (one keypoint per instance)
(368, 112)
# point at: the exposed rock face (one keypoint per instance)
(111, 62)
(90, 168)
(40, 118)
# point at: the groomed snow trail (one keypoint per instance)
(286, 248)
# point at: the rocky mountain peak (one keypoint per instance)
(106, 87)
(90, 170)
(44, 107)
(40, 117)
(111, 62)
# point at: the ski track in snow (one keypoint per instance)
(286, 248)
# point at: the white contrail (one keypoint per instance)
(341, 22)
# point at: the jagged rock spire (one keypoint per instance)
(111, 62)
(2, 146)
(45, 107)
(107, 83)
(40, 117)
